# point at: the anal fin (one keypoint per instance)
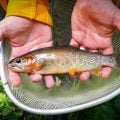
(73, 71)
(97, 71)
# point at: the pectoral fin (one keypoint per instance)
(39, 66)
(97, 71)
(34, 67)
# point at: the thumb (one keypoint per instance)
(2, 30)
(116, 19)
(74, 43)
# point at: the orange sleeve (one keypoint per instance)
(33, 9)
(42, 12)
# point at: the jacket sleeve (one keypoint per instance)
(33, 9)
(3, 3)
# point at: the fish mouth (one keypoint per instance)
(14, 68)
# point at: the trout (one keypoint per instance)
(59, 60)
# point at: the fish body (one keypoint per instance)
(58, 60)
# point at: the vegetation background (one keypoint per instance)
(61, 12)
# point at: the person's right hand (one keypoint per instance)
(24, 36)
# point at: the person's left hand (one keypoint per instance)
(93, 23)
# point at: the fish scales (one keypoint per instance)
(74, 58)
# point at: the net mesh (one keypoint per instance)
(67, 92)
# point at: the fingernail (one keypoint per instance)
(84, 76)
(35, 77)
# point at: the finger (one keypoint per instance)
(85, 75)
(82, 48)
(17, 51)
(74, 43)
(108, 51)
(42, 45)
(1, 34)
(14, 78)
(106, 71)
(117, 18)
(49, 81)
(1, 31)
(36, 77)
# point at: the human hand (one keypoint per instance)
(93, 23)
(24, 36)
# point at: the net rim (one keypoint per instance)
(49, 112)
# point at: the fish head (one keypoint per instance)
(24, 64)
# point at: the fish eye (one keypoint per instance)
(18, 60)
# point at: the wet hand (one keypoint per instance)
(24, 36)
(93, 23)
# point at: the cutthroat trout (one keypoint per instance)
(59, 60)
